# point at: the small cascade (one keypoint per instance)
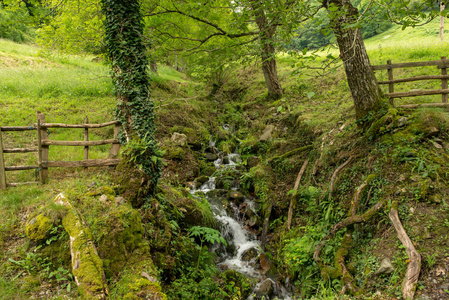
(243, 248)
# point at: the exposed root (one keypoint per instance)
(345, 223)
(293, 198)
(414, 267)
(334, 176)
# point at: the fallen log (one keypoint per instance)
(87, 267)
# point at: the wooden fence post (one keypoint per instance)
(390, 78)
(43, 150)
(444, 81)
(2, 165)
(86, 138)
(115, 147)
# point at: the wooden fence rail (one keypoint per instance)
(442, 64)
(43, 144)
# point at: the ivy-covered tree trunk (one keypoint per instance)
(361, 79)
(268, 55)
(134, 110)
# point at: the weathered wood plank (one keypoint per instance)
(440, 63)
(2, 165)
(43, 150)
(86, 138)
(424, 105)
(12, 184)
(61, 125)
(17, 128)
(416, 78)
(19, 168)
(79, 143)
(20, 150)
(444, 86)
(86, 163)
(417, 93)
(115, 147)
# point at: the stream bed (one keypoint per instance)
(237, 215)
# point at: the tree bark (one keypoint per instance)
(361, 80)
(268, 54)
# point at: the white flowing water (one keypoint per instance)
(235, 233)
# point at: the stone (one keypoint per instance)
(412, 210)
(103, 198)
(211, 156)
(427, 234)
(37, 229)
(252, 161)
(147, 276)
(200, 181)
(437, 145)
(265, 288)
(431, 131)
(179, 139)
(249, 255)
(119, 200)
(266, 135)
(236, 196)
(265, 263)
(401, 122)
(385, 267)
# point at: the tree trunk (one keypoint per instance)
(361, 80)
(268, 55)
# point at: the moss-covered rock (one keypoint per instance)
(123, 235)
(38, 228)
(133, 184)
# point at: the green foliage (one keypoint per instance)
(13, 26)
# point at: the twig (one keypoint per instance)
(334, 176)
(292, 200)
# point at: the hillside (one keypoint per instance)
(168, 246)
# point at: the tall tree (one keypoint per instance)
(213, 26)
(361, 79)
(127, 53)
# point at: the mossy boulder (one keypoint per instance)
(38, 228)
(123, 234)
(190, 211)
(133, 184)
(196, 138)
(173, 152)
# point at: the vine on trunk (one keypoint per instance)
(134, 110)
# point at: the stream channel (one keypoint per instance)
(236, 213)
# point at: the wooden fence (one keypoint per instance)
(44, 143)
(442, 64)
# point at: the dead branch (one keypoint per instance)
(293, 198)
(414, 267)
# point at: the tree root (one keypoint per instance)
(335, 174)
(340, 255)
(414, 267)
(293, 198)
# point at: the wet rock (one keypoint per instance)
(200, 181)
(252, 161)
(249, 255)
(266, 135)
(385, 267)
(236, 196)
(265, 288)
(265, 263)
(211, 156)
(179, 139)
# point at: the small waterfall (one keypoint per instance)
(243, 247)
